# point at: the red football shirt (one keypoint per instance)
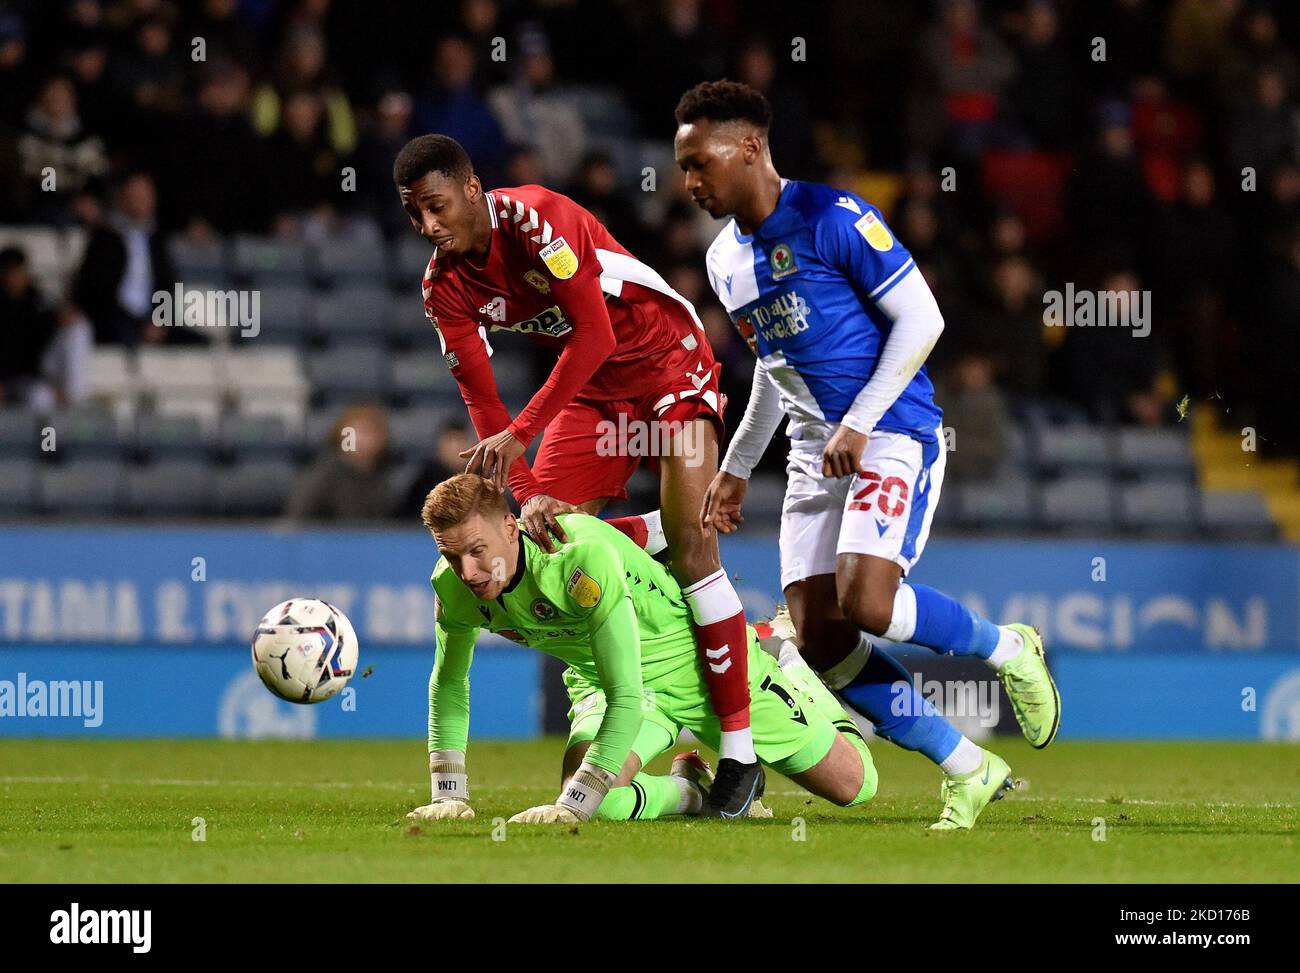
(554, 273)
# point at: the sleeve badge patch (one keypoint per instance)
(560, 260)
(871, 227)
(583, 588)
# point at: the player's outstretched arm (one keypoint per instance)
(449, 721)
(616, 647)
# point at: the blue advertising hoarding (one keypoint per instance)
(1148, 640)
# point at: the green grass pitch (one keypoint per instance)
(123, 811)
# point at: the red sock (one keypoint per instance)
(724, 646)
(646, 530)
(634, 527)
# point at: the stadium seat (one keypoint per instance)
(258, 369)
(18, 479)
(1154, 453)
(259, 488)
(348, 371)
(1006, 502)
(286, 313)
(356, 313)
(113, 380)
(248, 437)
(409, 259)
(85, 433)
(164, 371)
(408, 326)
(412, 432)
(263, 261)
(19, 433)
(763, 501)
(1078, 503)
(199, 261)
(1158, 506)
(346, 260)
(170, 488)
(47, 255)
(513, 370)
(82, 487)
(422, 376)
(168, 435)
(1073, 449)
(1237, 513)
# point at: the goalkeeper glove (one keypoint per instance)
(450, 788)
(547, 814)
(582, 795)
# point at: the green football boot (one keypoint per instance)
(966, 795)
(1034, 697)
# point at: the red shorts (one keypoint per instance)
(592, 448)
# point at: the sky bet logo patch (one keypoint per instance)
(584, 588)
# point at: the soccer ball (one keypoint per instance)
(305, 650)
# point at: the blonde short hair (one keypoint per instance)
(455, 500)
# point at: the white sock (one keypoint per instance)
(738, 745)
(902, 623)
(1009, 645)
(789, 655)
(965, 759)
(692, 798)
(654, 525)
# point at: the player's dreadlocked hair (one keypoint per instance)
(724, 101)
(455, 500)
(431, 153)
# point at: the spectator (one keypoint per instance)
(967, 70)
(597, 190)
(348, 480)
(206, 193)
(791, 134)
(976, 411)
(301, 174)
(303, 68)
(1263, 132)
(452, 105)
(1010, 325)
(390, 130)
(58, 156)
(445, 462)
(1110, 173)
(125, 263)
(1043, 95)
(536, 110)
(44, 354)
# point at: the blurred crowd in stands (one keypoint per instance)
(1016, 146)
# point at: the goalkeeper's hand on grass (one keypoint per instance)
(442, 811)
(547, 814)
(449, 785)
(582, 795)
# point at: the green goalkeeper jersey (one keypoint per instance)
(602, 605)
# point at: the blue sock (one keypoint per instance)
(946, 625)
(883, 692)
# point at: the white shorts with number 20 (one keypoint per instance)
(884, 510)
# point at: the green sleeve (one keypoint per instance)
(616, 647)
(449, 681)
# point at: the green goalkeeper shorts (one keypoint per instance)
(791, 734)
